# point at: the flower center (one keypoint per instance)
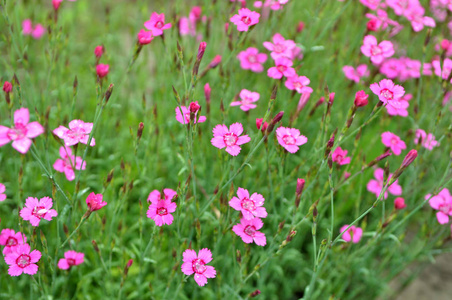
(394, 141)
(387, 94)
(297, 85)
(248, 204)
(281, 69)
(199, 266)
(71, 261)
(11, 241)
(445, 208)
(250, 230)
(246, 101)
(23, 260)
(246, 20)
(375, 50)
(159, 24)
(278, 48)
(289, 140)
(252, 59)
(18, 132)
(39, 211)
(162, 211)
(75, 133)
(230, 139)
(339, 158)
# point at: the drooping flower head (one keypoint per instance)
(68, 163)
(11, 239)
(95, 201)
(161, 209)
(71, 258)
(22, 260)
(353, 234)
(230, 139)
(249, 206)
(282, 68)
(340, 156)
(35, 210)
(388, 92)
(2, 192)
(248, 231)
(290, 138)
(280, 47)
(247, 100)
(251, 59)
(392, 141)
(443, 204)
(376, 185)
(157, 24)
(78, 132)
(197, 264)
(22, 132)
(186, 116)
(245, 19)
(376, 52)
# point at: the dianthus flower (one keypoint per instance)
(197, 264)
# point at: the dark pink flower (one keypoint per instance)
(197, 264)
(353, 234)
(283, 67)
(247, 100)
(102, 70)
(161, 209)
(245, 19)
(186, 116)
(95, 201)
(361, 99)
(393, 142)
(290, 138)
(11, 239)
(145, 37)
(376, 185)
(388, 92)
(376, 52)
(35, 210)
(71, 258)
(7, 87)
(68, 163)
(99, 51)
(229, 138)
(23, 261)
(36, 32)
(339, 156)
(401, 109)
(157, 24)
(78, 132)
(399, 203)
(280, 47)
(249, 206)
(443, 203)
(298, 83)
(251, 59)
(248, 231)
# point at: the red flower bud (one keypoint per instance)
(7, 87)
(399, 203)
(201, 50)
(102, 70)
(98, 51)
(207, 91)
(361, 98)
(194, 107)
(372, 25)
(215, 61)
(445, 44)
(56, 4)
(300, 27)
(300, 186)
(259, 125)
(409, 158)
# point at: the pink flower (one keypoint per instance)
(388, 92)
(392, 141)
(248, 231)
(157, 24)
(102, 70)
(339, 156)
(275, 4)
(442, 70)
(443, 203)
(95, 201)
(372, 4)
(290, 138)
(353, 234)
(427, 140)
(36, 32)
(401, 110)
(11, 239)
(7, 87)
(27, 27)
(197, 264)
(98, 51)
(78, 132)
(376, 52)
(35, 210)
(251, 59)
(71, 258)
(186, 118)
(2, 192)
(355, 75)
(22, 132)
(280, 47)
(247, 100)
(399, 203)
(376, 185)
(160, 209)
(249, 206)
(245, 19)
(283, 68)
(68, 162)
(361, 99)
(23, 261)
(144, 37)
(298, 83)
(229, 138)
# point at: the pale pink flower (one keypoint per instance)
(229, 138)
(186, 116)
(248, 231)
(353, 234)
(443, 203)
(247, 100)
(71, 258)
(245, 19)
(95, 201)
(376, 51)
(298, 83)
(157, 24)
(426, 140)
(68, 163)
(35, 210)
(290, 138)
(388, 92)
(340, 156)
(376, 185)
(401, 110)
(197, 264)
(283, 67)
(78, 132)
(2, 192)
(27, 27)
(249, 206)
(22, 260)
(373, 4)
(187, 27)
(144, 37)
(275, 4)
(251, 59)
(415, 14)
(280, 47)
(161, 209)
(11, 239)
(22, 132)
(399, 6)
(381, 20)
(393, 142)
(356, 75)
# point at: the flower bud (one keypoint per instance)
(409, 158)
(102, 70)
(194, 107)
(98, 51)
(140, 130)
(255, 293)
(215, 61)
(300, 27)
(7, 87)
(207, 91)
(261, 126)
(361, 98)
(201, 50)
(399, 203)
(445, 44)
(144, 37)
(56, 4)
(372, 25)
(275, 120)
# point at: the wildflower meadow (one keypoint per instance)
(221, 149)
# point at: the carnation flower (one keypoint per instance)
(197, 264)
(95, 201)
(443, 203)
(248, 231)
(78, 132)
(229, 138)
(247, 100)
(392, 141)
(71, 258)
(35, 210)
(23, 261)
(11, 239)
(186, 116)
(376, 52)
(249, 206)
(290, 138)
(160, 209)
(251, 59)
(282, 68)
(339, 156)
(68, 163)
(388, 92)
(245, 19)
(298, 83)
(280, 47)
(426, 140)
(355, 75)
(157, 24)
(376, 185)
(2, 192)
(353, 234)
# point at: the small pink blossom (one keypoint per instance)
(161, 209)
(251, 59)
(443, 203)
(373, 4)
(340, 156)
(157, 24)
(68, 163)
(95, 201)
(2, 192)
(35, 210)
(401, 110)
(99, 51)
(186, 114)
(248, 231)
(376, 52)
(283, 67)
(23, 261)
(393, 142)
(249, 206)
(353, 234)
(361, 99)
(376, 185)
(298, 83)
(102, 70)
(7, 87)
(426, 140)
(247, 100)
(229, 138)
(356, 75)
(442, 69)
(388, 92)
(36, 32)
(275, 4)
(144, 37)
(197, 264)
(11, 239)
(399, 203)
(245, 19)
(280, 47)
(78, 132)
(71, 258)
(22, 132)
(290, 138)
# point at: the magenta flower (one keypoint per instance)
(372, 4)
(71, 258)
(339, 156)
(102, 70)
(245, 19)
(443, 203)
(186, 114)
(426, 140)
(36, 32)
(144, 37)
(95, 201)
(247, 100)
(399, 203)
(22, 260)
(442, 69)
(355, 75)
(157, 24)
(160, 209)
(249, 206)
(35, 210)
(388, 92)
(22, 132)
(68, 162)
(298, 83)
(353, 234)
(376, 185)
(283, 67)
(229, 138)
(280, 47)
(2, 192)
(401, 110)
(290, 138)
(78, 132)
(376, 52)
(197, 264)
(248, 231)
(393, 142)
(11, 239)
(251, 59)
